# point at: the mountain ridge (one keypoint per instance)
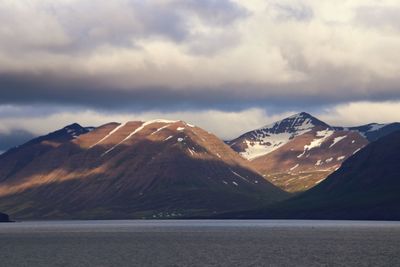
(155, 169)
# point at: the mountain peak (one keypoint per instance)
(65, 134)
(73, 130)
(73, 126)
(295, 123)
(271, 137)
(301, 115)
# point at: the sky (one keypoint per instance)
(228, 66)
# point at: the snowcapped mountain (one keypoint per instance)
(298, 152)
(154, 169)
(271, 137)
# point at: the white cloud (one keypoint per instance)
(358, 113)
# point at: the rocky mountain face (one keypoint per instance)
(4, 217)
(155, 169)
(365, 187)
(299, 152)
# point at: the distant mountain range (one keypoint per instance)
(172, 169)
(300, 151)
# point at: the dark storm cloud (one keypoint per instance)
(91, 92)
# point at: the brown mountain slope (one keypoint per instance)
(308, 159)
(156, 169)
(17, 158)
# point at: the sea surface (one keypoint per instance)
(200, 243)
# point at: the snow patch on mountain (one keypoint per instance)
(323, 136)
(160, 129)
(169, 137)
(271, 137)
(136, 131)
(161, 121)
(191, 152)
(265, 145)
(108, 135)
(294, 167)
(240, 176)
(340, 158)
(337, 140)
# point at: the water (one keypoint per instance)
(200, 243)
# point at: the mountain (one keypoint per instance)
(154, 169)
(298, 152)
(366, 186)
(15, 159)
(4, 217)
(373, 131)
(267, 139)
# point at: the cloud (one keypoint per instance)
(379, 17)
(197, 53)
(358, 113)
(71, 26)
(291, 10)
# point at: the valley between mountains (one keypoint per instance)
(172, 169)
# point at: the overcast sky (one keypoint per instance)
(226, 65)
